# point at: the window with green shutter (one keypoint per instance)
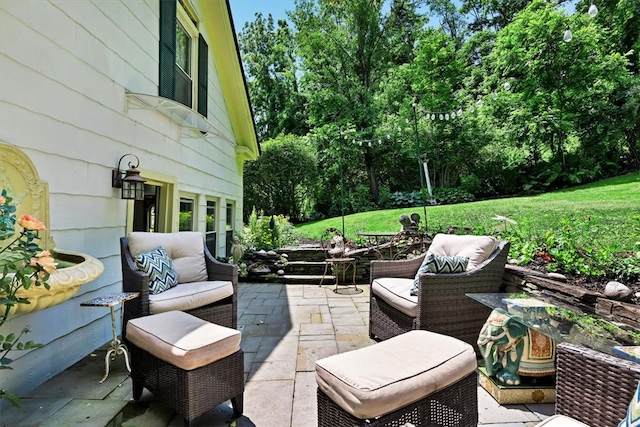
(183, 58)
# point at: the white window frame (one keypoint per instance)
(185, 19)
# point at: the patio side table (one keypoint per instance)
(343, 264)
(117, 346)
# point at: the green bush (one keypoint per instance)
(401, 199)
(572, 248)
(184, 221)
(471, 184)
(258, 234)
(384, 197)
(450, 196)
(358, 200)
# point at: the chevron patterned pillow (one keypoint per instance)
(158, 266)
(439, 264)
(633, 413)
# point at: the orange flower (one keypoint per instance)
(3, 200)
(29, 222)
(44, 260)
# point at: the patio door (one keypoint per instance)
(153, 213)
(145, 212)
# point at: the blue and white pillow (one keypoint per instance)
(633, 413)
(158, 266)
(439, 264)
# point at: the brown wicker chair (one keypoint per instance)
(222, 312)
(593, 387)
(443, 306)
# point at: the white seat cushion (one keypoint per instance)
(186, 250)
(396, 292)
(379, 379)
(187, 296)
(476, 248)
(182, 339)
(561, 421)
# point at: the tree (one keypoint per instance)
(565, 96)
(282, 180)
(349, 73)
(345, 54)
(452, 21)
(269, 57)
(493, 14)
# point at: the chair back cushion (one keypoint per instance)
(186, 250)
(476, 248)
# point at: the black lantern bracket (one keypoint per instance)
(129, 181)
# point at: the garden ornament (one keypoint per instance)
(510, 349)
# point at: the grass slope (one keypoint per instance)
(604, 214)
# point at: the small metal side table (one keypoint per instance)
(117, 346)
(343, 264)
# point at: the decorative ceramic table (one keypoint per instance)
(544, 320)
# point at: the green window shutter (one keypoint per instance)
(167, 72)
(203, 64)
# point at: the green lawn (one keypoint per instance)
(582, 225)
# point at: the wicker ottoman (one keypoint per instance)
(191, 364)
(418, 377)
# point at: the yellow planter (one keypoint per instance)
(64, 282)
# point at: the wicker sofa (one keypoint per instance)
(207, 288)
(441, 305)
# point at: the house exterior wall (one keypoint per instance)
(65, 68)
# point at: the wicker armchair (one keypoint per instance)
(221, 311)
(442, 305)
(593, 387)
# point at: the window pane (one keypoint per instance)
(211, 216)
(211, 236)
(229, 216)
(186, 215)
(183, 49)
(210, 240)
(183, 88)
(229, 236)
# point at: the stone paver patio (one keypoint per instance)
(285, 329)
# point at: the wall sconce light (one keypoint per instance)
(130, 181)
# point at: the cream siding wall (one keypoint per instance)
(64, 70)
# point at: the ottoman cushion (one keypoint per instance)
(386, 376)
(182, 339)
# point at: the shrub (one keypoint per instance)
(450, 196)
(401, 199)
(258, 234)
(384, 197)
(358, 200)
(570, 248)
(471, 184)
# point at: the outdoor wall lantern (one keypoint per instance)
(130, 181)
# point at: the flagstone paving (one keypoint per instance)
(285, 330)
